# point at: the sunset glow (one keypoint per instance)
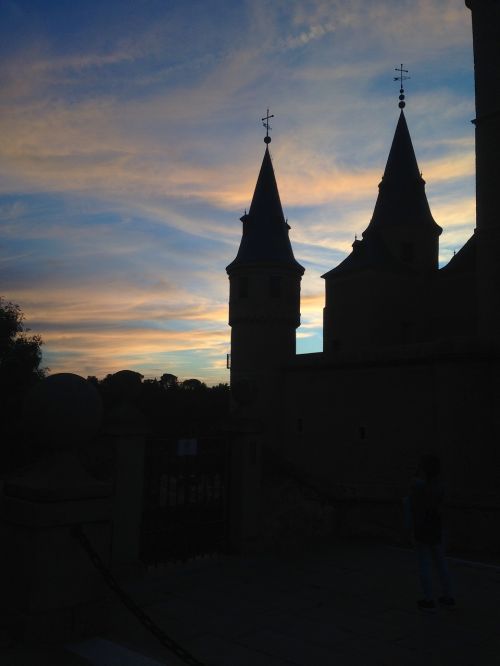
(131, 143)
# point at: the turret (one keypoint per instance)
(402, 219)
(376, 296)
(264, 300)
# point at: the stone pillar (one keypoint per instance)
(126, 426)
(51, 589)
(128, 431)
(245, 485)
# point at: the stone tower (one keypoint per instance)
(264, 300)
(379, 295)
(486, 38)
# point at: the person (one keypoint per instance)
(425, 504)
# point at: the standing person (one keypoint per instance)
(426, 499)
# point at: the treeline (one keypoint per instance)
(20, 359)
(186, 408)
(168, 406)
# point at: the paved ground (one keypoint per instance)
(338, 603)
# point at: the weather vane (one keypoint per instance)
(401, 78)
(265, 122)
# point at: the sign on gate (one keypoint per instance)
(187, 447)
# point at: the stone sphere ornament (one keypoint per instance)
(126, 384)
(62, 411)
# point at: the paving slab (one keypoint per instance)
(22, 655)
(331, 603)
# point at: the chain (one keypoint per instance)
(127, 601)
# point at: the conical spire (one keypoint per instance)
(402, 199)
(265, 230)
(402, 163)
(401, 218)
(266, 204)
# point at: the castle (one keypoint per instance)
(411, 355)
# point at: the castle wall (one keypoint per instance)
(455, 307)
(367, 422)
(356, 430)
(486, 36)
(377, 309)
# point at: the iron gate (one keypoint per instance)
(185, 508)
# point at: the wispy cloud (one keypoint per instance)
(131, 144)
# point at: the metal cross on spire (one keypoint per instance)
(401, 78)
(265, 122)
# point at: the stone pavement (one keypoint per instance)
(348, 603)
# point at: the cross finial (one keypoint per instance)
(401, 78)
(265, 122)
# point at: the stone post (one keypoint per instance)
(126, 426)
(129, 437)
(245, 485)
(50, 588)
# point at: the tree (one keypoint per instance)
(193, 385)
(20, 353)
(20, 358)
(168, 381)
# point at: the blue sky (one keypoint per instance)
(131, 142)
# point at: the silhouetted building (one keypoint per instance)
(411, 353)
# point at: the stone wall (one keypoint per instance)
(357, 427)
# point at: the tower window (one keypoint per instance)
(407, 252)
(275, 286)
(243, 287)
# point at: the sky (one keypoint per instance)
(131, 140)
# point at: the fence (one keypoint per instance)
(186, 490)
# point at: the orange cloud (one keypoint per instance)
(102, 352)
(168, 153)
